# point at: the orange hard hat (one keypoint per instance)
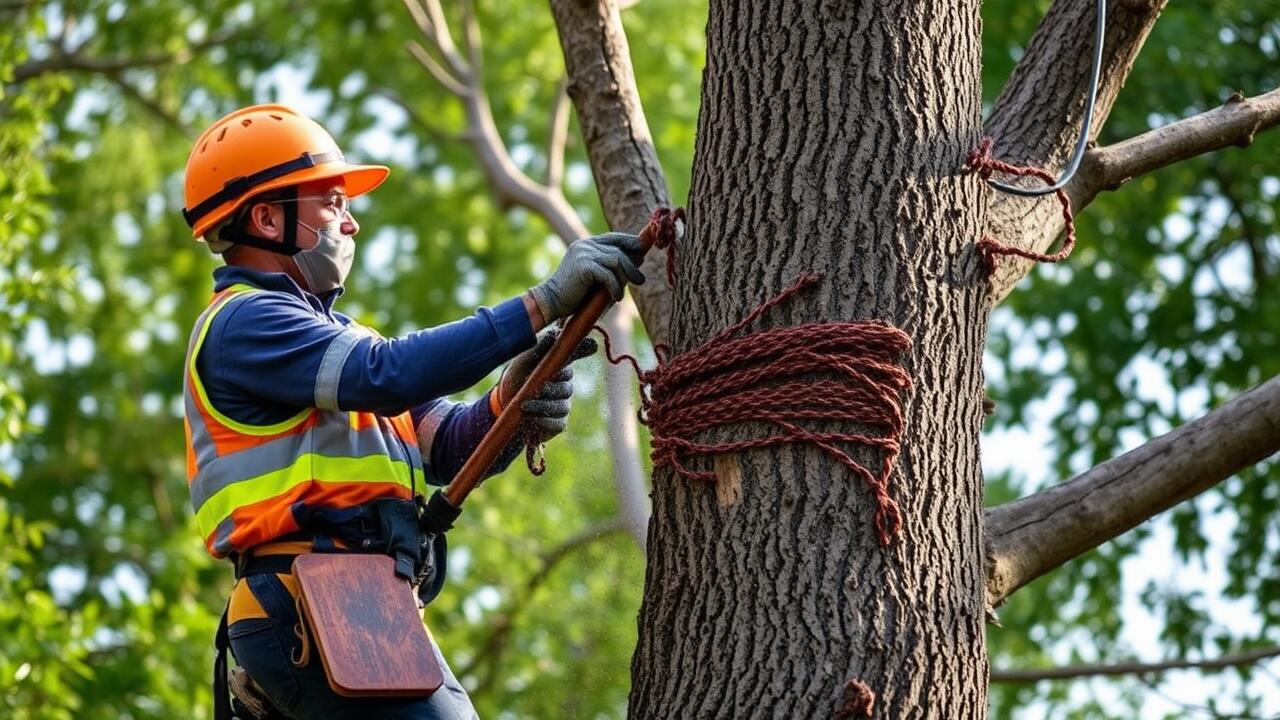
(261, 148)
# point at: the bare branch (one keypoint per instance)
(628, 177)
(490, 650)
(419, 15)
(471, 38)
(559, 135)
(1134, 668)
(1235, 123)
(1029, 537)
(76, 61)
(438, 72)
(1036, 119)
(628, 473)
(443, 40)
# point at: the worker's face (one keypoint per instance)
(320, 203)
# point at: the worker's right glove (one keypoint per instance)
(598, 260)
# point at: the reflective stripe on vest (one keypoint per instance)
(247, 480)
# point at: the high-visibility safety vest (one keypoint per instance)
(247, 481)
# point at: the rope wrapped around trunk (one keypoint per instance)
(798, 380)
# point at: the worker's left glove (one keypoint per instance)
(546, 414)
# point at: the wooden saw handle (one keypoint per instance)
(508, 423)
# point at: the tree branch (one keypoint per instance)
(1253, 237)
(437, 71)
(559, 135)
(151, 104)
(490, 650)
(1036, 119)
(1027, 538)
(430, 20)
(628, 177)
(1235, 123)
(60, 60)
(437, 134)
(1134, 668)
(471, 38)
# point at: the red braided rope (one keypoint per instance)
(768, 377)
(981, 160)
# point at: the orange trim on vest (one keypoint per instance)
(259, 522)
(191, 455)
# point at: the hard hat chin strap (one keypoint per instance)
(233, 233)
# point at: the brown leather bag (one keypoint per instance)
(367, 626)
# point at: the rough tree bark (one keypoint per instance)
(830, 139)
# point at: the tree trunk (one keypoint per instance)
(830, 139)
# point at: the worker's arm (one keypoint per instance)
(449, 432)
(272, 348)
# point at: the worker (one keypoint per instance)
(305, 428)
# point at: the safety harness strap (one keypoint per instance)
(221, 689)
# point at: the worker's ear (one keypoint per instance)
(265, 221)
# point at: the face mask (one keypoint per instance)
(325, 266)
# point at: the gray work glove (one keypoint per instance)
(598, 260)
(547, 413)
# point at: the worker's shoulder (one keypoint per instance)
(257, 312)
(350, 323)
(258, 303)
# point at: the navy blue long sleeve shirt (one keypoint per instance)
(269, 354)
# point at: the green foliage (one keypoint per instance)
(107, 600)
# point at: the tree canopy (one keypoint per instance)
(108, 602)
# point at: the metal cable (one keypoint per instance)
(1085, 123)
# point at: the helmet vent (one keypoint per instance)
(277, 117)
(204, 146)
(222, 134)
(246, 122)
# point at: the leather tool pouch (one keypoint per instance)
(366, 624)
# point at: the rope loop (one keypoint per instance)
(981, 161)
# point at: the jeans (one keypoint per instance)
(263, 647)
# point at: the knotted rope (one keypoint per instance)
(981, 160)
(859, 700)
(670, 226)
(772, 377)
